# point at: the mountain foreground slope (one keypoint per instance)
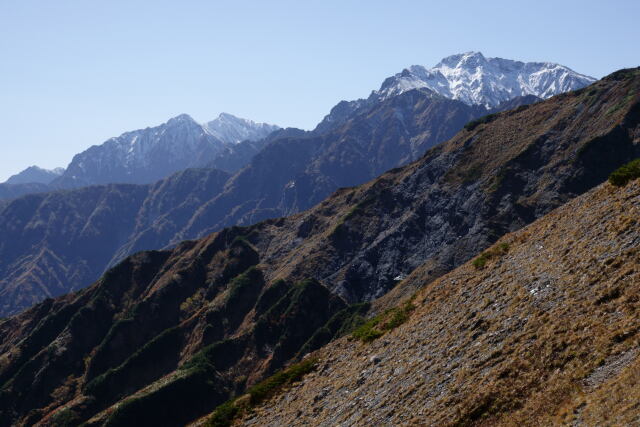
(546, 332)
(189, 327)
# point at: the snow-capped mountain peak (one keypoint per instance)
(146, 155)
(232, 129)
(181, 118)
(477, 80)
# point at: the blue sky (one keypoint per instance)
(74, 73)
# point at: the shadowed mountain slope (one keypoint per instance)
(57, 242)
(164, 337)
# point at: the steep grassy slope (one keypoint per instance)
(546, 333)
(203, 321)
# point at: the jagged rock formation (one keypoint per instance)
(202, 321)
(231, 129)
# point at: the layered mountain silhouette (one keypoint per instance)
(281, 174)
(166, 336)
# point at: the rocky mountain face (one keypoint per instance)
(34, 174)
(164, 337)
(147, 155)
(545, 333)
(292, 174)
(293, 171)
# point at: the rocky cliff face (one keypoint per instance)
(202, 321)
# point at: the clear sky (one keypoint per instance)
(74, 73)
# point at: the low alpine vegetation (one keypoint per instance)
(482, 120)
(379, 325)
(481, 261)
(626, 173)
(228, 412)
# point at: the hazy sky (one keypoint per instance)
(74, 73)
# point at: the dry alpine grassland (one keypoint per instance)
(546, 332)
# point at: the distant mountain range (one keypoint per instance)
(283, 173)
(166, 336)
(148, 155)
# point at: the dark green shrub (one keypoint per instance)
(484, 119)
(342, 323)
(368, 331)
(377, 326)
(116, 381)
(621, 176)
(225, 414)
(481, 261)
(273, 384)
(65, 417)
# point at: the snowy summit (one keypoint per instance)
(476, 80)
(232, 129)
